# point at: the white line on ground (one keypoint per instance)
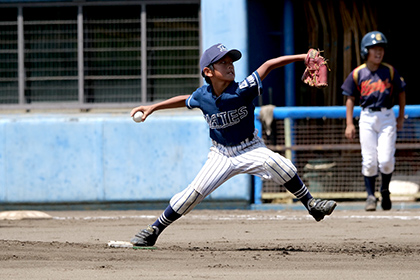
(248, 217)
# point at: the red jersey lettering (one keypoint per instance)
(367, 87)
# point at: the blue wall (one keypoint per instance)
(226, 22)
(104, 158)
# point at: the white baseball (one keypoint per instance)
(137, 116)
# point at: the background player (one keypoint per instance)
(377, 86)
(229, 111)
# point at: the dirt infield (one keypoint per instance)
(213, 244)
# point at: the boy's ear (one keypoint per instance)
(207, 72)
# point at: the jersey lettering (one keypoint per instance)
(225, 119)
(367, 87)
(243, 84)
(251, 81)
(243, 112)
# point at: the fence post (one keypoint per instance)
(143, 46)
(258, 183)
(288, 137)
(21, 58)
(80, 56)
(289, 73)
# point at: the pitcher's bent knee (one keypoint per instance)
(280, 168)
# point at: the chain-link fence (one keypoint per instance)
(329, 163)
(85, 56)
(8, 57)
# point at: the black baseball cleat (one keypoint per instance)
(146, 237)
(386, 203)
(319, 208)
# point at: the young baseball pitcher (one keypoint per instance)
(377, 86)
(228, 108)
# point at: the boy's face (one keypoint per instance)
(376, 54)
(224, 69)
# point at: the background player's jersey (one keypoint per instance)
(231, 115)
(375, 89)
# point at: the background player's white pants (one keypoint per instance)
(378, 133)
(225, 162)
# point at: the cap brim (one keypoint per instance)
(234, 54)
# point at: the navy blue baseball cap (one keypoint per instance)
(215, 53)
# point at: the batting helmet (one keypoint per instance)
(371, 39)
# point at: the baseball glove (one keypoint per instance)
(316, 72)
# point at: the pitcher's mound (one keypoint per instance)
(24, 215)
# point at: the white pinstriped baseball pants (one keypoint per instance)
(224, 162)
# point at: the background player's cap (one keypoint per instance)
(216, 52)
(371, 39)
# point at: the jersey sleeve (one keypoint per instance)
(399, 83)
(193, 101)
(349, 87)
(251, 87)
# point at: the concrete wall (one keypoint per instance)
(226, 22)
(53, 158)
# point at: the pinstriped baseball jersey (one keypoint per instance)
(230, 116)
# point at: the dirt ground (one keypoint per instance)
(214, 244)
